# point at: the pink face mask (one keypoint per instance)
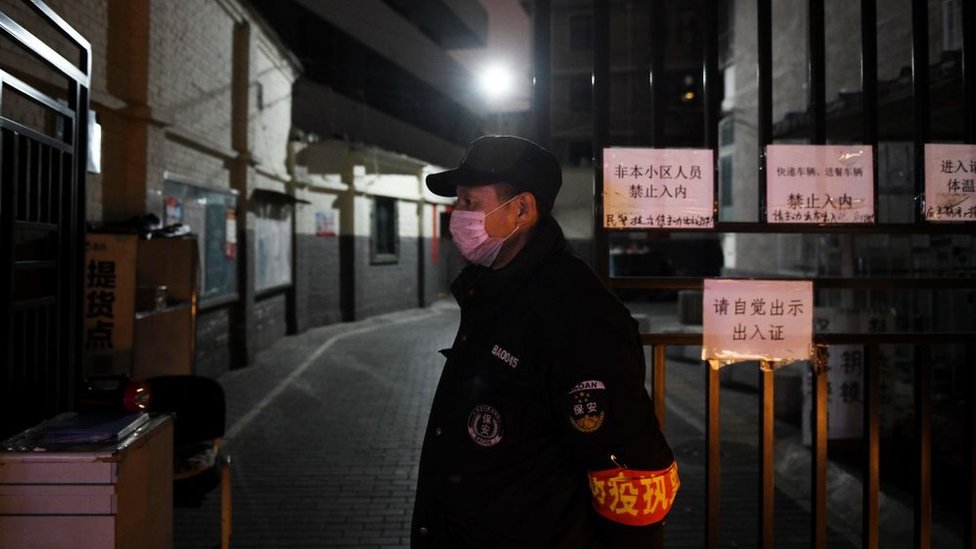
(472, 239)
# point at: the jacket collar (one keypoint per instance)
(547, 238)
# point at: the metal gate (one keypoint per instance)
(815, 120)
(43, 159)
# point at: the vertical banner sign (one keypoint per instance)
(660, 188)
(109, 305)
(757, 320)
(819, 184)
(950, 182)
(845, 394)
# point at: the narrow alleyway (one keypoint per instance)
(325, 434)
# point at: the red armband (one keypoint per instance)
(632, 497)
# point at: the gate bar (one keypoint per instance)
(923, 432)
(767, 462)
(33, 46)
(818, 476)
(969, 67)
(541, 82)
(764, 129)
(656, 75)
(658, 373)
(601, 129)
(712, 460)
(970, 539)
(869, 87)
(834, 228)
(695, 283)
(711, 97)
(817, 71)
(920, 97)
(870, 484)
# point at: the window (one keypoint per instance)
(385, 241)
(580, 33)
(580, 94)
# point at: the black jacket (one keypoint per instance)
(544, 383)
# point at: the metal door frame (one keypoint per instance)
(42, 198)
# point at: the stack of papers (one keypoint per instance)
(88, 429)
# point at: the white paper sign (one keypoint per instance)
(757, 320)
(666, 188)
(950, 182)
(845, 394)
(819, 184)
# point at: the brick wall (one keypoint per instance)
(385, 287)
(269, 324)
(190, 52)
(212, 356)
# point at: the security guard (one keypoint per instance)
(541, 433)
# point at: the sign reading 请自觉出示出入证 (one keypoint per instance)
(768, 320)
(819, 184)
(950, 182)
(658, 188)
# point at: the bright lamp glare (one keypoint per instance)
(495, 82)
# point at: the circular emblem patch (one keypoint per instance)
(587, 412)
(485, 425)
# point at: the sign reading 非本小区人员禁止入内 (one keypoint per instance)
(658, 188)
(950, 182)
(768, 320)
(819, 184)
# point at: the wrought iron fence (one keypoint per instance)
(816, 121)
(43, 146)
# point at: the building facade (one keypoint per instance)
(301, 179)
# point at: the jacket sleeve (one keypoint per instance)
(598, 395)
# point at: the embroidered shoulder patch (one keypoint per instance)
(485, 425)
(588, 410)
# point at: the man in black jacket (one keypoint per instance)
(541, 433)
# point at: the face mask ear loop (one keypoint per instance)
(500, 206)
(517, 227)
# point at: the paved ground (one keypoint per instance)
(325, 432)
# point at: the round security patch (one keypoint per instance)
(588, 411)
(485, 425)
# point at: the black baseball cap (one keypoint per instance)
(504, 159)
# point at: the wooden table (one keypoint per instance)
(118, 496)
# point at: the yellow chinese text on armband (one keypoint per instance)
(633, 497)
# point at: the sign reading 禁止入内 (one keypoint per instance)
(819, 184)
(658, 188)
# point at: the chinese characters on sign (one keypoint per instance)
(99, 300)
(819, 184)
(660, 188)
(950, 182)
(108, 304)
(845, 394)
(757, 320)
